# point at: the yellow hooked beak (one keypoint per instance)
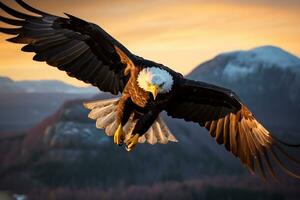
(154, 91)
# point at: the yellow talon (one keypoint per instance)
(119, 135)
(130, 144)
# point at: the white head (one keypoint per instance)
(155, 80)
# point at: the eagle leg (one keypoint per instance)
(124, 110)
(119, 136)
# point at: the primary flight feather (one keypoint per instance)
(85, 51)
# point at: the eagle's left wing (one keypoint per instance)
(221, 112)
(82, 49)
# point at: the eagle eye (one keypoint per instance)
(160, 85)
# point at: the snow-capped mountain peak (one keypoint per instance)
(238, 64)
(245, 62)
(272, 55)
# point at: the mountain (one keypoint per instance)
(20, 111)
(25, 103)
(241, 63)
(266, 78)
(7, 85)
(66, 150)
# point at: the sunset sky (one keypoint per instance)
(179, 34)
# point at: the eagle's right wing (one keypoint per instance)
(82, 49)
(221, 112)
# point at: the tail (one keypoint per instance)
(104, 112)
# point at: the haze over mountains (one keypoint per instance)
(8, 85)
(25, 103)
(66, 150)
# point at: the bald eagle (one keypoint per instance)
(85, 51)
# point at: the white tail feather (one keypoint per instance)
(160, 134)
(150, 136)
(104, 112)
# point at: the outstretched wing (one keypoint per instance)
(229, 121)
(82, 49)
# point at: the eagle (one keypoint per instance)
(145, 88)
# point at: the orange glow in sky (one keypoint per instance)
(179, 34)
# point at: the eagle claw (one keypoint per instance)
(131, 142)
(119, 136)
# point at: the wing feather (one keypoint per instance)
(11, 21)
(226, 134)
(219, 131)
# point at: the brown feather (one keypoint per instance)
(226, 133)
(219, 131)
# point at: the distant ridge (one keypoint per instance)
(8, 85)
